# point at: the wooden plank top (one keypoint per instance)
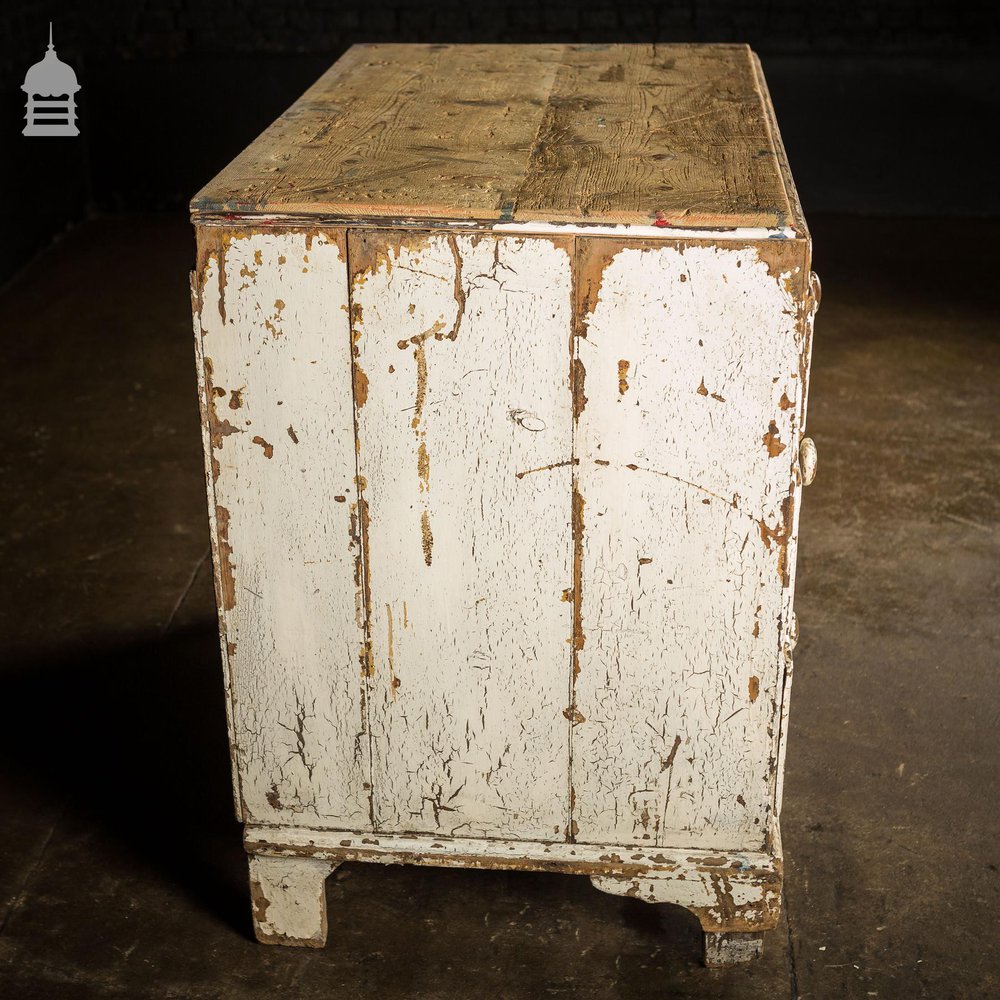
(642, 135)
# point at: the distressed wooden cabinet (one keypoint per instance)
(503, 357)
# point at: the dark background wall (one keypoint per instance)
(885, 105)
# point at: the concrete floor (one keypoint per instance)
(121, 869)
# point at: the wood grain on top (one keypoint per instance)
(593, 134)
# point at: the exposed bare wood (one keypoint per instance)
(289, 900)
(664, 135)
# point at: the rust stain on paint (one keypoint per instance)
(785, 403)
(623, 367)
(459, 290)
(291, 433)
(578, 377)
(235, 399)
(373, 252)
(574, 715)
(218, 430)
(358, 534)
(545, 468)
(360, 386)
(779, 535)
(426, 537)
(702, 390)
(268, 448)
(420, 354)
(644, 560)
(754, 688)
(423, 467)
(772, 441)
(227, 569)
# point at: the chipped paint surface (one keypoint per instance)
(727, 891)
(675, 470)
(289, 901)
(285, 554)
(504, 533)
(464, 343)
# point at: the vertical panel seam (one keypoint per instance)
(366, 684)
(576, 535)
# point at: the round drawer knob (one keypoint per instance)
(807, 460)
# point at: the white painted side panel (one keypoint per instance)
(685, 447)
(465, 444)
(276, 345)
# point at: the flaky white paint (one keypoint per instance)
(719, 887)
(276, 345)
(464, 449)
(289, 903)
(391, 511)
(689, 353)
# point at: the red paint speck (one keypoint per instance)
(660, 222)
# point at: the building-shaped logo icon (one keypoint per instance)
(51, 88)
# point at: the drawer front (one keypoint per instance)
(692, 361)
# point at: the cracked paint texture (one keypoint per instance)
(461, 598)
(297, 695)
(459, 332)
(680, 671)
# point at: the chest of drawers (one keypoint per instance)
(503, 356)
